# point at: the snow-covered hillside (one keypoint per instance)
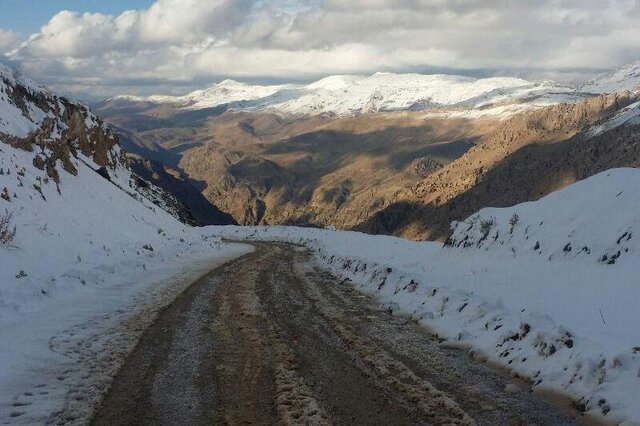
(625, 78)
(594, 220)
(627, 116)
(349, 94)
(85, 248)
(548, 289)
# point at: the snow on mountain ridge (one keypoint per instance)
(385, 91)
(353, 94)
(624, 78)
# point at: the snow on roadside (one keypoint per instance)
(567, 319)
(91, 263)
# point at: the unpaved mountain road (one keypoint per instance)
(271, 339)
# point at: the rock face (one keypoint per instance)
(198, 210)
(56, 129)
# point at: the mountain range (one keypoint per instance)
(389, 153)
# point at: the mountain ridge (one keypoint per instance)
(355, 94)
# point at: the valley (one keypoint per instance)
(400, 167)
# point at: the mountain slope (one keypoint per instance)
(65, 180)
(353, 152)
(522, 159)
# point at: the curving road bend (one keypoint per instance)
(271, 339)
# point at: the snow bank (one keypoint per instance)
(565, 319)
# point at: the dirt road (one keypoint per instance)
(271, 339)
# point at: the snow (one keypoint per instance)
(627, 116)
(86, 272)
(92, 262)
(443, 95)
(624, 78)
(353, 94)
(223, 93)
(565, 314)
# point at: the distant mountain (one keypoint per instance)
(349, 94)
(624, 78)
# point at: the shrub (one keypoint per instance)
(7, 231)
(486, 225)
(514, 221)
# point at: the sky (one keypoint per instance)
(99, 48)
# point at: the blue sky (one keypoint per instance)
(27, 16)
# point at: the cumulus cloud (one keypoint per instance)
(190, 40)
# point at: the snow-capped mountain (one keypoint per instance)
(625, 78)
(350, 94)
(225, 92)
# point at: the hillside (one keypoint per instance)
(522, 159)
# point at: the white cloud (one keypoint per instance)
(182, 40)
(8, 39)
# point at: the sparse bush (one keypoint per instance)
(485, 226)
(513, 221)
(7, 229)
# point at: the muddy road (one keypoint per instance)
(271, 339)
